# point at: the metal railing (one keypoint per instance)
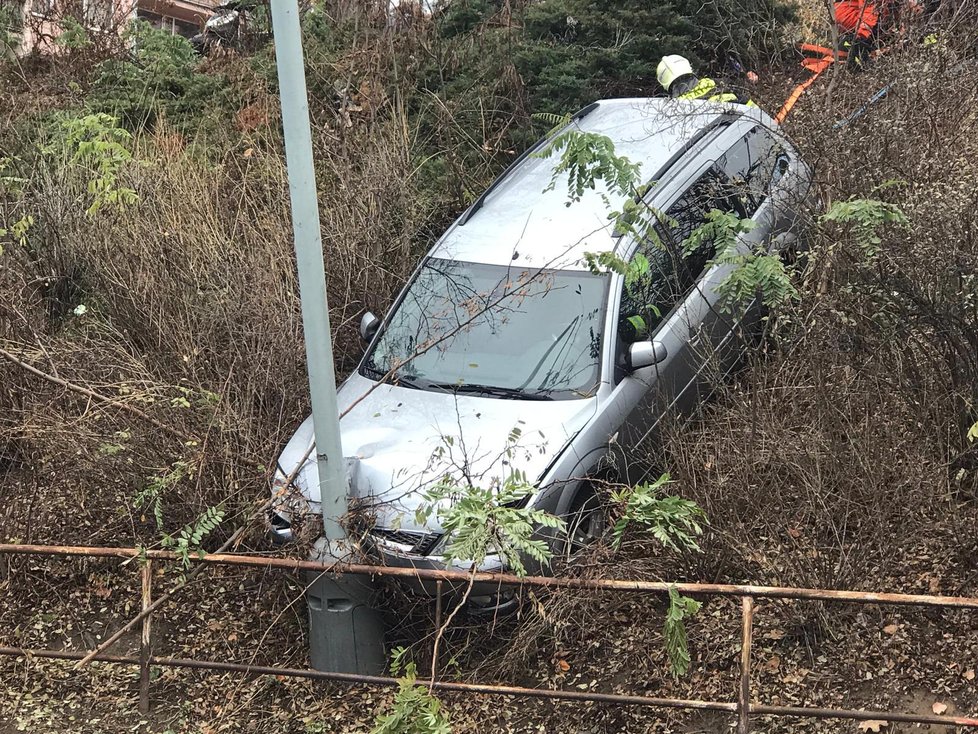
(743, 707)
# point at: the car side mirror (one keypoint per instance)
(645, 354)
(368, 326)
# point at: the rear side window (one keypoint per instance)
(754, 164)
(672, 273)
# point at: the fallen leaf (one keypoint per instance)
(891, 629)
(774, 663)
(794, 532)
(873, 725)
(774, 635)
(249, 152)
(969, 674)
(938, 707)
(563, 665)
(796, 677)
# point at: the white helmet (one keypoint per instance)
(671, 68)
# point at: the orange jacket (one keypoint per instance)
(860, 17)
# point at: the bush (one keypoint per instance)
(10, 23)
(571, 52)
(160, 78)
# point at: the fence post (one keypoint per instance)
(145, 649)
(438, 613)
(743, 699)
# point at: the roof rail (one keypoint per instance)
(722, 121)
(477, 204)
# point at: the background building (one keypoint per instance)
(44, 20)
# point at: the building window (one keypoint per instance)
(98, 13)
(173, 26)
(42, 7)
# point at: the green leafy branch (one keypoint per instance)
(585, 159)
(866, 217)
(150, 497)
(97, 143)
(757, 274)
(415, 709)
(674, 631)
(483, 520)
(637, 273)
(673, 521)
(17, 231)
(189, 539)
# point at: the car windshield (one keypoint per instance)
(495, 330)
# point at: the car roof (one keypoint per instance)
(517, 223)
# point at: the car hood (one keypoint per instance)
(397, 441)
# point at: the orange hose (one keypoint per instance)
(824, 58)
(797, 92)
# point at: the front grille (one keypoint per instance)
(419, 543)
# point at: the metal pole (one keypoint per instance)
(145, 647)
(439, 584)
(309, 258)
(464, 577)
(345, 633)
(743, 697)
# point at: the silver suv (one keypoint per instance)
(503, 326)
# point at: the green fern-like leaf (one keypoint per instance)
(673, 521)
(415, 710)
(587, 158)
(674, 631)
(866, 217)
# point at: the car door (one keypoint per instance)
(756, 166)
(668, 307)
(753, 171)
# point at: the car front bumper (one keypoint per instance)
(483, 599)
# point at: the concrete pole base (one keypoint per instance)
(346, 632)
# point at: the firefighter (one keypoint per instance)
(862, 23)
(676, 76)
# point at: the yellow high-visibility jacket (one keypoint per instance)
(707, 89)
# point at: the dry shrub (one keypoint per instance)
(191, 298)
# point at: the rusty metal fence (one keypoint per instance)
(743, 707)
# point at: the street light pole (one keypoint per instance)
(346, 634)
(309, 260)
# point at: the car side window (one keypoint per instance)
(647, 299)
(754, 164)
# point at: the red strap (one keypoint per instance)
(857, 16)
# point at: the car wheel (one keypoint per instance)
(586, 521)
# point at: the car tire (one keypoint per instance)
(586, 521)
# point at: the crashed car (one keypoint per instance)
(504, 326)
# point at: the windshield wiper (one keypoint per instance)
(415, 383)
(509, 393)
